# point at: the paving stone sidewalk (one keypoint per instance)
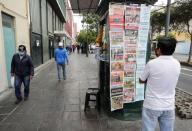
(59, 106)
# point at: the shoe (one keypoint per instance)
(26, 98)
(18, 101)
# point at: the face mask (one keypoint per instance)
(21, 53)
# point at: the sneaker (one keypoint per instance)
(18, 101)
(26, 98)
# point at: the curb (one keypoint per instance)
(183, 104)
(186, 64)
(43, 66)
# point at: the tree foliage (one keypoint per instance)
(181, 20)
(86, 37)
(158, 21)
(182, 16)
(90, 25)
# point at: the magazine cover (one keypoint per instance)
(117, 91)
(116, 102)
(117, 66)
(116, 20)
(117, 78)
(129, 82)
(116, 38)
(128, 95)
(130, 58)
(117, 54)
(130, 49)
(131, 35)
(116, 9)
(132, 17)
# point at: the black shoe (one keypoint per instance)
(26, 98)
(18, 101)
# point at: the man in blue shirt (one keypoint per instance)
(61, 58)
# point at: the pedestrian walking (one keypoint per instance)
(161, 76)
(78, 48)
(61, 58)
(23, 70)
(73, 47)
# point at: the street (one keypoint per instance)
(185, 79)
(55, 106)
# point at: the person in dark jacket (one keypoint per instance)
(61, 58)
(78, 48)
(23, 70)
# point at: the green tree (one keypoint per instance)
(86, 36)
(90, 26)
(158, 21)
(182, 20)
(89, 33)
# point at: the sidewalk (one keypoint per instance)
(55, 106)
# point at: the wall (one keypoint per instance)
(20, 14)
(44, 30)
(183, 44)
(69, 19)
(182, 48)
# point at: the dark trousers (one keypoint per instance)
(18, 82)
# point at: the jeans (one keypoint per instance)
(59, 68)
(165, 118)
(18, 82)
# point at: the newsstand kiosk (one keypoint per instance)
(124, 43)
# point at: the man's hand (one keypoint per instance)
(31, 77)
(142, 82)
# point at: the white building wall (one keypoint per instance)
(3, 77)
(19, 10)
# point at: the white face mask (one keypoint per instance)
(21, 53)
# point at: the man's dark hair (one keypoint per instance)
(167, 45)
(22, 48)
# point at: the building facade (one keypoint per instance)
(46, 17)
(31, 23)
(74, 31)
(69, 23)
(14, 30)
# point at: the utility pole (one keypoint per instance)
(87, 44)
(168, 18)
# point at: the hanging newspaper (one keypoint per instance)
(132, 17)
(128, 46)
(142, 49)
(116, 17)
(116, 25)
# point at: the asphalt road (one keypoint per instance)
(185, 79)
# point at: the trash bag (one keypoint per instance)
(13, 81)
